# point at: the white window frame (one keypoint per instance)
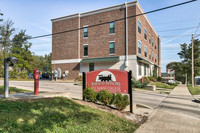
(83, 31)
(109, 47)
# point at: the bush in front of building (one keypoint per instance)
(139, 84)
(13, 74)
(89, 94)
(160, 79)
(105, 97)
(121, 101)
(154, 79)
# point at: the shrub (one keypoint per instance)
(89, 94)
(139, 84)
(121, 101)
(105, 97)
(13, 74)
(145, 80)
(23, 76)
(153, 79)
(160, 79)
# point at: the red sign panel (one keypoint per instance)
(108, 79)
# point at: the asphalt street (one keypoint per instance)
(147, 98)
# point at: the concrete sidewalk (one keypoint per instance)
(176, 114)
(30, 95)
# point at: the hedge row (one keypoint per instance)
(106, 98)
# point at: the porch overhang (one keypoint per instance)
(140, 59)
(101, 59)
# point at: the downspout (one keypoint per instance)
(79, 35)
(126, 35)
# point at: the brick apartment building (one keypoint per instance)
(111, 37)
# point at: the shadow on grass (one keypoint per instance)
(43, 115)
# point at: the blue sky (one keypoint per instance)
(35, 16)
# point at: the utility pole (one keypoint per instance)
(186, 79)
(192, 61)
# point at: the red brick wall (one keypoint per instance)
(65, 45)
(140, 37)
(73, 69)
(98, 36)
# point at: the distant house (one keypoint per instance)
(104, 39)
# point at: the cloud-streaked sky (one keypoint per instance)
(35, 16)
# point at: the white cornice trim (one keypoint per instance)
(147, 19)
(65, 61)
(120, 6)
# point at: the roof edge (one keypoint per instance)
(132, 3)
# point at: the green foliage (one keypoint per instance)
(121, 101)
(58, 115)
(139, 84)
(183, 67)
(160, 79)
(12, 90)
(89, 94)
(164, 85)
(105, 97)
(13, 74)
(195, 90)
(23, 76)
(146, 80)
(153, 79)
(155, 72)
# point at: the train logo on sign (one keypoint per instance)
(105, 76)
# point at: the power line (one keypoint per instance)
(160, 9)
(197, 28)
(177, 29)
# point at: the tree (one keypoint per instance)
(7, 31)
(179, 70)
(183, 67)
(21, 50)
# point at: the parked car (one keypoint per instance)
(30, 75)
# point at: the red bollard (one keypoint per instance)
(36, 77)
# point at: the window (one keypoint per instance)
(152, 41)
(91, 67)
(139, 47)
(85, 50)
(155, 45)
(112, 27)
(149, 54)
(145, 70)
(139, 27)
(85, 30)
(112, 48)
(145, 34)
(139, 70)
(149, 38)
(145, 51)
(152, 56)
(155, 58)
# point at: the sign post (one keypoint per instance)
(130, 90)
(83, 75)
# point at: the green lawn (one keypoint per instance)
(58, 115)
(195, 90)
(12, 90)
(163, 85)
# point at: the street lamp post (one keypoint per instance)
(13, 60)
